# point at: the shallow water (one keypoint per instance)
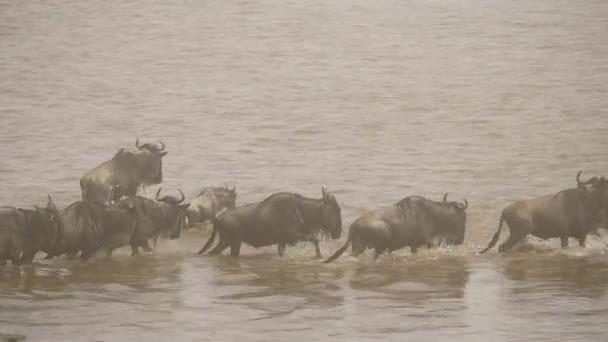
(488, 100)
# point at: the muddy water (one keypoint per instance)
(489, 100)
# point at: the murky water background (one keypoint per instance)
(489, 100)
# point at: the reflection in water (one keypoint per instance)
(445, 276)
(575, 275)
(265, 279)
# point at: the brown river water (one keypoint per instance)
(486, 99)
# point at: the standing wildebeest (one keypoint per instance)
(569, 213)
(166, 217)
(89, 226)
(126, 171)
(208, 203)
(24, 232)
(414, 221)
(282, 219)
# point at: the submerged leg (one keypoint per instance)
(564, 242)
(317, 249)
(358, 247)
(235, 249)
(511, 241)
(581, 241)
(134, 250)
(281, 248)
(379, 251)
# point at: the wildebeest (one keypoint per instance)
(412, 222)
(166, 217)
(24, 232)
(572, 212)
(125, 172)
(90, 226)
(208, 203)
(282, 219)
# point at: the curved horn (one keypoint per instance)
(234, 189)
(183, 197)
(158, 193)
(162, 146)
(582, 183)
(465, 203)
(445, 197)
(137, 144)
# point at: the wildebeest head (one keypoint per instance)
(149, 162)
(179, 210)
(331, 215)
(50, 225)
(597, 191)
(226, 197)
(130, 206)
(458, 210)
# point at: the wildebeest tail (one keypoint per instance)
(212, 237)
(340, 251)
(209, 242)
(496, 235)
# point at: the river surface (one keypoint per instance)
(490, 100)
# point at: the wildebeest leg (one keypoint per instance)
(71, 255)
(85, 255)
(27, 257)
(317, 249)
(146, 247)
(235, 249)
(581, 241)
(513, 239)
(519, 229)
(379, 251)
(15, 256)
(134, 249)
(357, 248)
(281, 248)
(414, 249)
(155, 240)
(564, 240)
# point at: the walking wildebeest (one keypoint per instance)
(89, 227)
(24, 232)
(126, 172)
(572, 212)
(282, 219)
(208, 203)
(166, 217)
(414, 221)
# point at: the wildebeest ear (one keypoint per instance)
(162, 154)
(324, 191)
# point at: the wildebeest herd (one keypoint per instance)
(111, 215)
